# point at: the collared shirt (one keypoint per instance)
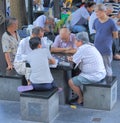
(63, 44)
(90, 62)
(24, 48)
(91, 21)
(10, 44)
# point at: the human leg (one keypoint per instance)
(107, 59)
(75, 83)
(77, 90)
(116, 48)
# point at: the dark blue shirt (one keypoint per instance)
(104, 36)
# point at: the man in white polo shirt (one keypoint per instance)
(89, 61)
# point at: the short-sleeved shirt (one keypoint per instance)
(79, 17)
(91, 21)
(104, 35)
(90, 62)
(24, 49)
(40, 71)
(10, 44)
(40, 21)
(63, 44)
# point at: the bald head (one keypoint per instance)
(65, 34)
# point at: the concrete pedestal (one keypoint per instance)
(35, 107)
(9, 83)
(101, 96)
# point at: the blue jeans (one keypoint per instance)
(44, 86)
(78, 28)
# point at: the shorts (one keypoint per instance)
(80, 80)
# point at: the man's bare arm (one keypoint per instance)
(7, 58)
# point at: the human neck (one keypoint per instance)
(103, 18)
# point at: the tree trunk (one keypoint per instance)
(2, 30)
(57, 9)
(18, 10)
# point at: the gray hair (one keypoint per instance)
(109, 7)
(100, 7)
(82, 36)
(37, 30)
(10, 21)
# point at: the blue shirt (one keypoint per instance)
(103, 38)
(79, 17)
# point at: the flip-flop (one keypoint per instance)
(25, 88)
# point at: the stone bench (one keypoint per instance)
(9, 82)
(101, 95)
(40, 106)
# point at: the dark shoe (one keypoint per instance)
(73, 100)
(76, 103)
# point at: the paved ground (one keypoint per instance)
(10, 111)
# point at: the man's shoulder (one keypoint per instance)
(24, 40)
(5, 34)
(42, 17)
(5, 37)
(57, 38)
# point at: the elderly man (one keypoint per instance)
(109, 10)
(86, 58)
(44, 22)
(80, 17)
(106, 30)
(64, 42)
(24, 49)
(10, 41)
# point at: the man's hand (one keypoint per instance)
(10, 67)
(69, 58)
